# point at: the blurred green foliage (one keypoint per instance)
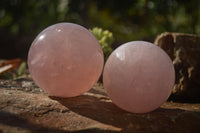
(7, 75)
(28, 17)
(21, 69)
(105, 39)
(15, 72)
(128, 20)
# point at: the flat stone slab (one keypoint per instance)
(24, 108)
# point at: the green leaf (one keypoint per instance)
(105, 39)
(21, 69)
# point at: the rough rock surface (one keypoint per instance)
(184, 50)
(24, 108)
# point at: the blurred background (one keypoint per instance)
(22, 20)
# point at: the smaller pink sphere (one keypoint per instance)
(139, 77)
(65, 60)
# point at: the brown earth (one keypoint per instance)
(25, 108)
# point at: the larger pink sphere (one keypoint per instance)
(138, 77)
(65, 60)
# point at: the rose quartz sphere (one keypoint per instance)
(138, 77)
(65, 60)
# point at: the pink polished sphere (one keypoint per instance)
(138, 76)
(65, 60)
